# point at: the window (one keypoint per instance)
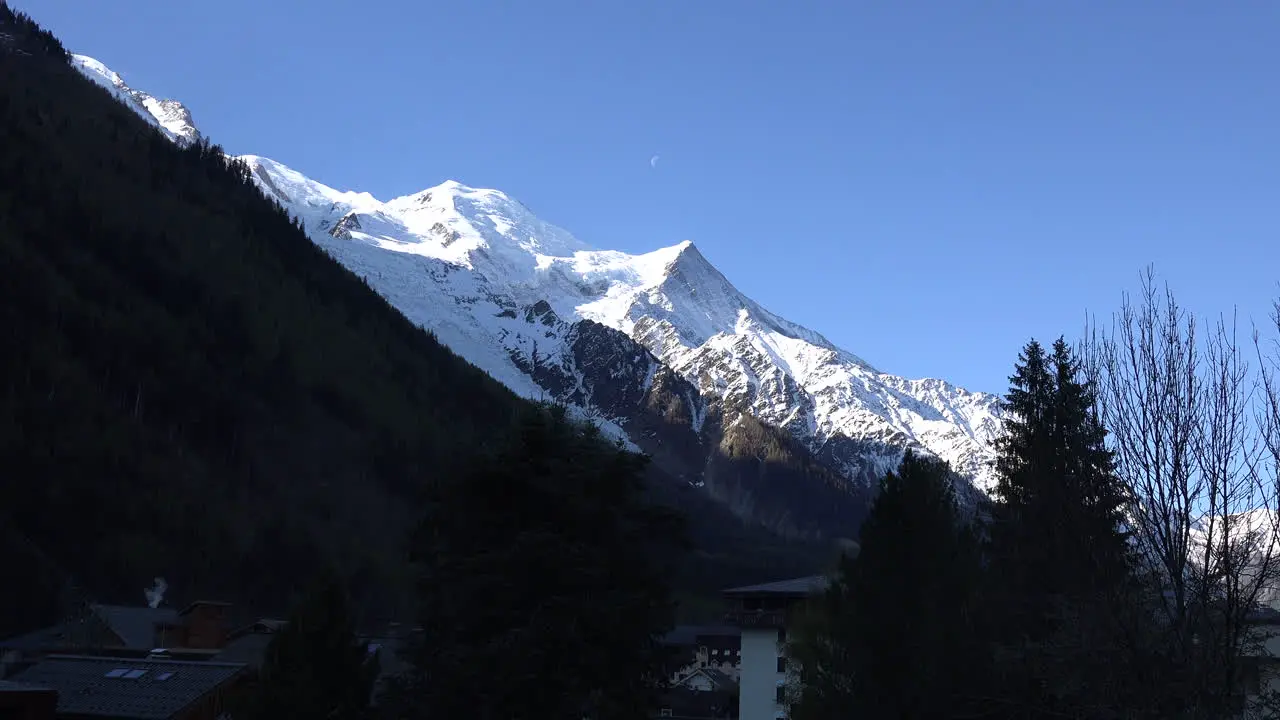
(665, 712)
(134, 674)
(782, 663)
(164, 676)
(781, 695)
(118, 672)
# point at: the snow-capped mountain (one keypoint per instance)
(659, 347)
(169, 116)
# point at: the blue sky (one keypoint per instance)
(927, 183)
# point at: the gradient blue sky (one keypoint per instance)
(929, 184)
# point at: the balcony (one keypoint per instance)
(756, 618)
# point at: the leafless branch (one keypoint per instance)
(1196, 437)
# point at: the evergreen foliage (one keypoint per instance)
(541, 584)
(895, 635)
(21, 35)
(191, 388)
(1058, 530)
(315, 667)
(1061, 573)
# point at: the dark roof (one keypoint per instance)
(84, 688)
(689, 634)
(136, 626)
(250, 649)
(37, 640)
(261, 626)
(800, 587)
(721, 679)
(7, 686)
(203, 603)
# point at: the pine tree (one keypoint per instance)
(315, 667)
(540, 592)
(1058, 518)
(1059, 561)
(894, 636)
(1091, 487)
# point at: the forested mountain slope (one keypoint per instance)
(191, 387)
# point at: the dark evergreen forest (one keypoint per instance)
(190, 388)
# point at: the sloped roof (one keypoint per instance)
(250, 649)
(204, 603)
(7, 686)
(801, 587)
(261, 626)
(164, 687)
(689, 634)
(721, 679)
(136, 626)
(38, 639)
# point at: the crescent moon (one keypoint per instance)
(653, 161)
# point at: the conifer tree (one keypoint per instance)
(541, 595)
(894, 636)
(315, 667)
(1059, 565)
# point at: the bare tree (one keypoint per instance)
(1195, 435)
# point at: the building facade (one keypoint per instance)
(762, 613)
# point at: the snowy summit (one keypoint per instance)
(512, 294)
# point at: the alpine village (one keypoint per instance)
(240, 481)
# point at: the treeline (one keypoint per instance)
(541, 593)
(1123, 569)
(191, 388)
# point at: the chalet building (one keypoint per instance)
(196, 631)
(762, 613)
(709, 680)
(89, 687)
(248, 644)
(693, 647)
(163, 663)
(1262, 667)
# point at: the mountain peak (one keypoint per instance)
(464, 261)
(446, 191)
(171, 116)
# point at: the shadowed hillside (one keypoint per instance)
(191, 388)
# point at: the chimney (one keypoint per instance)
(206, 624)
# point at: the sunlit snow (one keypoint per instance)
(465, 262)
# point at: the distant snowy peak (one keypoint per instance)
(673, 302)
(517, 296)
(168, 115)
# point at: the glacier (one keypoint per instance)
(505, 290)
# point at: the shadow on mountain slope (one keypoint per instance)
(193, 389)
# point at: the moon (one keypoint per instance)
(653, 161)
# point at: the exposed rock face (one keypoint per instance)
(342, 229)
(758, 414)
